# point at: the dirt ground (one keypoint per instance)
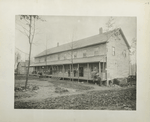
(52, 94)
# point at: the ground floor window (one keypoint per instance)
(60, 68)
(94, 67)
(81, 71)
(66, 67)
(103, 66)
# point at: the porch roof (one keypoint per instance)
(75, 61)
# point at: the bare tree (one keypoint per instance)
(46, 54)
(71, 52)
(133, 46)
(133, 51)
(112, 29)
(17, 60)
(71, 46)
(28, 28)
(110, 24)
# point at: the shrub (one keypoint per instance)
(60, 90)
(116, 81)
(120, 81)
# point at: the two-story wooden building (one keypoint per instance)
(106, 53)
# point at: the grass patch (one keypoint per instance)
(71, 84)
(112, 99)
(23, 77)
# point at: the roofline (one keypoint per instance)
(50, 63)
(85, 46)
(125, 38)
(71, 49)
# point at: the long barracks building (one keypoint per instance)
(106, 53)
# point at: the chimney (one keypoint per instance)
(57, 44)
(100, 30)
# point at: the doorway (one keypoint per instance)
(50, 71)
(81, 72)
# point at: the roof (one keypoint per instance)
(93, 40)
(101, 58)
(127, 43)
(100, 38)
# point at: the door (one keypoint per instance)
(81, 72)
(103, 70)
(50, 71)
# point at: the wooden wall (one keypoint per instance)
(118, 64)
(101, 50)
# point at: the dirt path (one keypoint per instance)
(47, 90)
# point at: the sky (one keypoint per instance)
(64, 29)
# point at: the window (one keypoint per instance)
(38, 60)
(65, 56)
(113, 50)
(60, 69)
(66, 68)
(75, 54)
(48, 57)
(84, 53)
(90, 51)
(124, 53)
(58, 56)
(52, 57)
(42, 59)
(96, 51)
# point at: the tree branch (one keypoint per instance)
(30, 29)
(23, 27)
(26, 20)
(23, 33)
(33, 31)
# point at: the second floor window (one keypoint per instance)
(75, 55)
(84, 53)
(65, 56)
(96, 51)
(124, 53)
(48, 57)
(58, 57)
(113, 51)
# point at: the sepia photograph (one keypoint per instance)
(75, 62)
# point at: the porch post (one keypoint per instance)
(63, 72)
(100, 69)
(78, 72)
(103, 72)
(88, 71)
(53, 70)
(57, 70)
(103, 67)
(70, 71)
(106, 71)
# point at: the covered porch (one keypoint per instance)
(74, 71)
(79, 69)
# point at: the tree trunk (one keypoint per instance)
(17, 68)
(72, 71)
(30, 42)
(27, 75)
